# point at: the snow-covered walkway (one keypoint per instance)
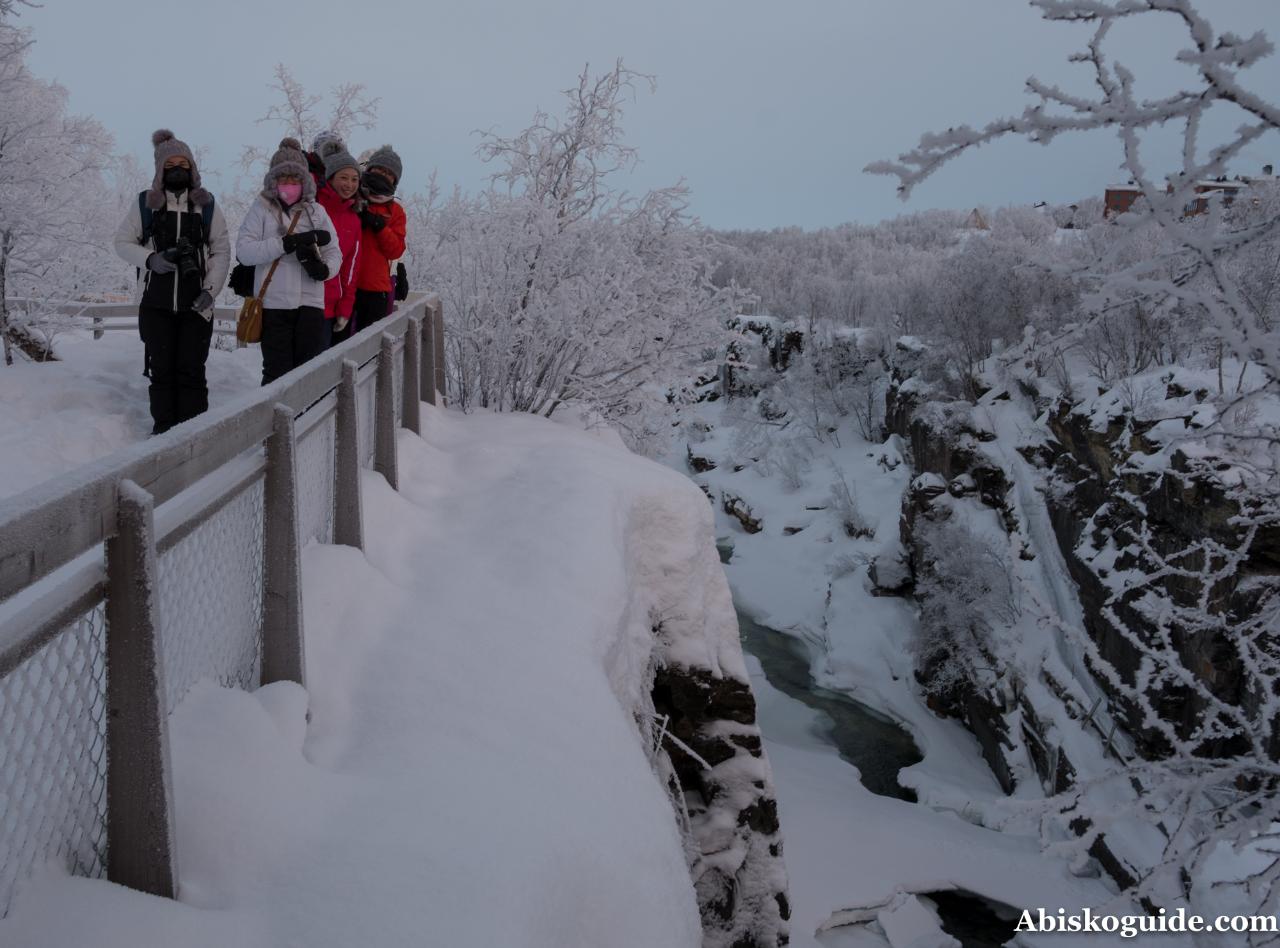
(470, 774)
(93, 401)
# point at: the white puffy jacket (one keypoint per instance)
(260, 241)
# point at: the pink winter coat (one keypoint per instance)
(340, 289)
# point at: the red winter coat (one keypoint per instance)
(373, 272)
(340, 289)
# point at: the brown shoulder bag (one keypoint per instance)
(249, 322)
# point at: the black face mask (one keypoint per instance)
(377, 184)
(177, 179)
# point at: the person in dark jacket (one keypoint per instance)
(182, 264)
(383, 239)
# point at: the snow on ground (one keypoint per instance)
(59, 415)
(469, 775)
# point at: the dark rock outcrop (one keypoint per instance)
(737, 508)
(720, 778)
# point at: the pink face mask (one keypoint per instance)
(289, 193)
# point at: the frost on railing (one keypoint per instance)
(53, 758)
(210, 586)
(367, 401)
(397, 388)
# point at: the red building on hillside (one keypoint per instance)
(1120, 198)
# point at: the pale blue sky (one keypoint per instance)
(768, 110)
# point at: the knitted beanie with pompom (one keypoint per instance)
(167, 146)
(289, 159)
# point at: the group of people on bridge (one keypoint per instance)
(323, 235)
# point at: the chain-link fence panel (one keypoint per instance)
(366, 400)
(315, 458)
(210, 592)
(53, 758)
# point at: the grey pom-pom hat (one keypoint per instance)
(386, 157)
(167, 146)
(289, 159)
(333, 153)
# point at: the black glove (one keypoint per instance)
(158, 263)
(374, 222)
(203, 302)
(322, 237)
(306, 238)
(316, 268)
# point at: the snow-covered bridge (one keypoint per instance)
(171, 561)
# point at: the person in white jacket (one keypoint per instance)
(294, 329)
(177, 238)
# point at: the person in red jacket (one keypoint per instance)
(382, 238)
(337, 190)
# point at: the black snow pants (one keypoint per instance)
(370, 307)
(177, 350)
(291, 337)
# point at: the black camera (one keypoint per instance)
(183, 255)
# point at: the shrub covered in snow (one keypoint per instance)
(963, 587)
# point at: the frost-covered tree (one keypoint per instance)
(54, 199)
(964, 589)
(1193, 273)
(301, 114)
(561, 288)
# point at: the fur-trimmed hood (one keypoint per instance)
(289, 159)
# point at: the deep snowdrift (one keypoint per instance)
(472, 773)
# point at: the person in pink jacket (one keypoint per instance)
(337, 191)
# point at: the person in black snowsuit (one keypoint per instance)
(177, 238)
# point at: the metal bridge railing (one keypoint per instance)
(124, 583)
(103, 318)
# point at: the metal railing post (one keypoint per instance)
(283, 658)
(140, 835)
(410, 413)
(384, 446)
(441, 383)
(428, 384)
(98, 323)
(348, 516)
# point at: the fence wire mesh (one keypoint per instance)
(315, 481)
(210, 592)
(366, 400)
(53, 758)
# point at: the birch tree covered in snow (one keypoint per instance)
(1201, 281)
(1212, 794)
(563, 288)
(53, 196)
(297, 112)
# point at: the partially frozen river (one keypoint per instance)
(873, 743)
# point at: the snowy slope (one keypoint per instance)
(59, 415)
(471, 774)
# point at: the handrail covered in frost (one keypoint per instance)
(109, 317)
(95, 565)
